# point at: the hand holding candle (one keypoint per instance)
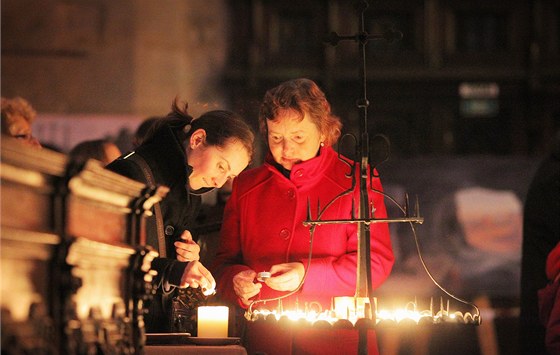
(196, 275)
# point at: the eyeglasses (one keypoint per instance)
(26, 136)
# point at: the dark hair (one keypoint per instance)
(221, 126)
(143, 129)
(302, 96)
(18, 106)
(177, 118)
(91, 149)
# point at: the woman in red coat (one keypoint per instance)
(263, 227)
(549, 302)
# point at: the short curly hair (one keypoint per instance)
(19, 106)
(302, 96)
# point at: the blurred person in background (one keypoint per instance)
(540, 328)
(102, 150)
(143, 130)
(17, 117)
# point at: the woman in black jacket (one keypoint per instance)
(190, 157)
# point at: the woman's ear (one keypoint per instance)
(197, 138)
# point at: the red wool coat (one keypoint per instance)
(262, 226)
(549, 302)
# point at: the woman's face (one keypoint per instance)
(213, 165)
(18, 127)
(292, 141)
(112, 152)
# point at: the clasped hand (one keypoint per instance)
(195, 274)
(285, 277)
(188, 250)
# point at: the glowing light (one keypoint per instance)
(352, 309)
(213, 322)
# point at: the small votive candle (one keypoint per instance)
(344, 307)
(213, 322)
(351, 308)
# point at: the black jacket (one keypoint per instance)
(165, 155)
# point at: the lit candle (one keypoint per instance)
(344, 307)
(350, 308)
(213, 322)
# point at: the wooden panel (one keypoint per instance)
(101, 205)
(26, 208)
(80, 288)
(96, 221)
(29, 181)
(102, 286)
(25, 291)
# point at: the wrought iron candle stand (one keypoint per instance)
(361, 312)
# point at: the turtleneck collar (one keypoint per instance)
(200, 191)
(305, 172)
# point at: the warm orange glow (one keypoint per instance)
(213, 322)
(352, 309)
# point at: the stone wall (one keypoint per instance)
(118, 57)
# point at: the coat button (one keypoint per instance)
(285, 233)
(299, 173)
(169, 230)
(291, 194)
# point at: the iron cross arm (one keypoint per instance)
(363, 37)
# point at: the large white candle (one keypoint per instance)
(213, 322)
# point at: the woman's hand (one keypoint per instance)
(245, 287)
(187, 250)
(286, 277)
(196, 275)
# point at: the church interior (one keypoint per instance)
(466, 94)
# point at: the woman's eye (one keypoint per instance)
(276, 139)
(221, 168)
(298, 139)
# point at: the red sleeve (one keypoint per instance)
(553, 263)
(549, 302)
(552, 336)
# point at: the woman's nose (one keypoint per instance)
(287, 146)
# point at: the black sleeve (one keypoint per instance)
(169, 270)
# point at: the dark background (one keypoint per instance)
(470, 97)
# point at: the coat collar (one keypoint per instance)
(306, 172)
